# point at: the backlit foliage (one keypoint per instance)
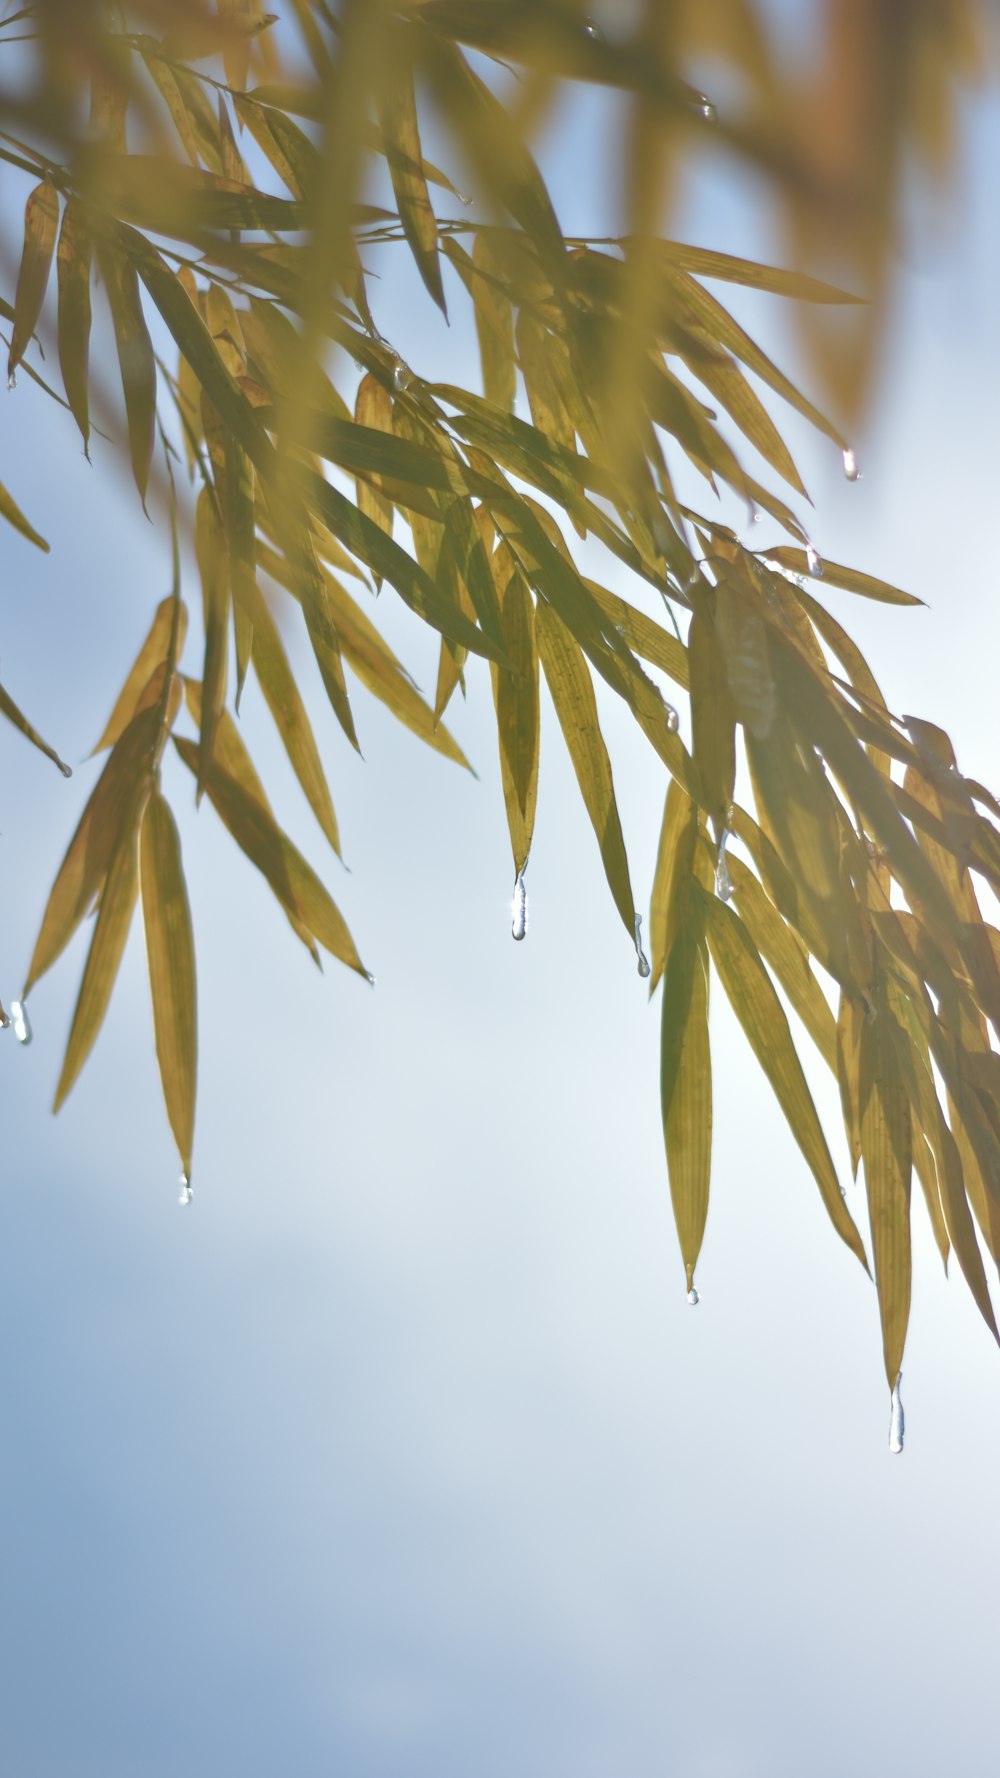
(207, 174)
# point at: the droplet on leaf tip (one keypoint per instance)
(67, 771)
(401, 376)
(642, 961)
(185, 1194)
(593, 31)
(897, 1419)
(673, 720)
(851, 469)
(519, 908)
(723, 881)
(814, 561)
(693, 1298)
(12, 380)
(706, 109)
(20, 1021)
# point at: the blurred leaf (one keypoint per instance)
(210, 548)
(41, 218)
(515, 694)
(10, 510)
(170, 956)
(135, 358)
(712, 721)
(73, 273)
(686, 1071)
(373, 410)
(398, 117)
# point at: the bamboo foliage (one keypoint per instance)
(225, 192)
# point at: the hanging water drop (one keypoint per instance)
(897, 1419)
(723, 881)
(401, 376)
(706, 109)
(185, 1194)
(814, 561)
(851, 469)
(673, 720)
(20, 1021)
(593, 31)
(519, 907)
(642, 961)
(67, 771)
(12, 380)
(693, 1298)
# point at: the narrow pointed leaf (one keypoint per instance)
(753, 999)
(213, 568)
(151, 655)
(73, 276)
(41, 218)
(515, 693)
(398, 117)
(713, 720)
(136, 361)
(9, 709)
(568, 678)
(114, 917)
(686, 1075)
(284, 700)
(10, 510)
(170, 957)
(886, 1148)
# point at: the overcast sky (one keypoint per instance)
(400, 1452)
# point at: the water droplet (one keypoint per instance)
(642, 963)
(20, 1021)
(897, 1419)
(67, 771)
(851, 469)
(593, 31)
(185, 1194)
(673, 720)
(814, 561)
(401, 375)
(723, 881)
(12, 380)
(519, 908)
(468, 202)
(693, 1298)
(706, 109)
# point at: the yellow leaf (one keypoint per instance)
(135, 358)
(41, 216)
(73, 275)
(284, 700)
(686, 1073)
(170, 956)
(886, 1149)
(713, 721)
(515, 694)
(151, 655)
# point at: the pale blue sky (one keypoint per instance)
(400, 1453)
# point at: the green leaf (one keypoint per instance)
(373, 410)
(568, 679)
(170, 956)
(41, 217)
(713, 721)
(753, 999)
(73, 274)
(211, 552)
(783, 950)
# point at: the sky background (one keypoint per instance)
(401, 1452)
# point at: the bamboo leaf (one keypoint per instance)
(41, 217)
(210, 548)
(284, 700)
(849, 578)
(569, 681)
(151, 655)
(88, 856)
(686, 1074)
(398, 117)
(515, 694)
(73, 275)
(886, 1148)
(114, 917)
(713, 721)
(293, 881)
(10, 510)
(753, 999)
(170, 957)
(783, 950)
(135, 358)
(373, 409)
(9, 709)
(674, 858)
